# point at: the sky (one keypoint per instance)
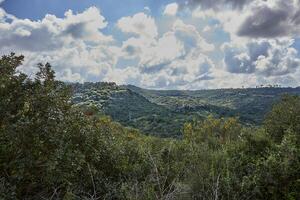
(166, 44)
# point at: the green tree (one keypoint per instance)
(284, 115)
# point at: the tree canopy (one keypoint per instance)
(51, 149)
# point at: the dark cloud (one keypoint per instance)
(296, 18)
(257, 49)
(26, 38)
(237, 62)
(264, 58)
(269, 22)
(179, 71)
(76, 30)
(265, 22)
(154, 68)
(131, 50)
(268, 18)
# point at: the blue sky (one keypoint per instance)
(168, 44)
(111, 9)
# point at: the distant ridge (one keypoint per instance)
(163, 112)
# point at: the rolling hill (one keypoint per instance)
(130, 108)
(164, 112)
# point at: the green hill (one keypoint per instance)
(250, 104)
(130, 108)
(164, 112)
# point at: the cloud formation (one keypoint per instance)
(74, 44)
(272, 19)
(264, 58)
(258, 18)
(171, 9)
(52, 33)
(176, 58)
(204, 48)
(139, 24)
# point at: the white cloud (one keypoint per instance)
(262, 57)
(52, 33)
(85, 25)
(191, 37)
(230, 20)
(140, 24)
(171, 9)
(146, 8)
(74, 44)
(207, 29)
(170, 53)
(173, 60)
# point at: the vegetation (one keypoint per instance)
(52, 149)
(164, 113)
(130, 108)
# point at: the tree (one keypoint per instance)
(284, 115)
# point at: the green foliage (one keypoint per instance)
(248, 165)
(250, 104)
(284, 116)
(130, 108)
(164, 113)
(52, 149)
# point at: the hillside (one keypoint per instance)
(164, 112)
(130, 108)
(250, 104)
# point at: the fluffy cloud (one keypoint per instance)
(167, 52)
(264, 58)
(140, 24)
(176, 58)
(52, 33)
(254, 19)
(228, 20)
(271, 19)
(171, 9)
(74, 44)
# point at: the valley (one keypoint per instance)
(164, 112)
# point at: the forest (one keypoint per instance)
(55, 143)
(163, 113)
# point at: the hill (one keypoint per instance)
(130, 108)
(164, 112)
(250, 104)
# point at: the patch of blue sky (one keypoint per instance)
(296, 45)
(218, 36)
(37, 9)
(112, 10)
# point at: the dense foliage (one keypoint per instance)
(248, 104)
(164, 113)
(130, 108)
(51, 149)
